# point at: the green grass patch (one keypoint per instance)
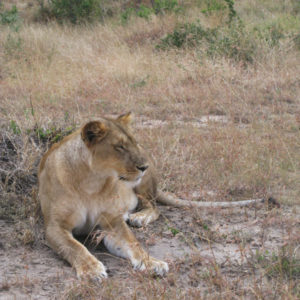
(283, 264)
(158, 7)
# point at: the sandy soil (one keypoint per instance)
(229, 237)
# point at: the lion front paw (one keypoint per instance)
(93, 269)
(154, 265)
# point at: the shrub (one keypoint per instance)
(144, 12)
(230, 40)
(73, 11)
(8, 17)
(233, 42)
(162, 6)
(126, 14)
(187, 35)
(13, 43)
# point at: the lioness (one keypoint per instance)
(98, 175)
(92, 177)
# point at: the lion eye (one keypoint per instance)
(120, 148)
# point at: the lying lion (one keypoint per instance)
(98, 175)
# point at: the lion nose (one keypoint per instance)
(142, 168)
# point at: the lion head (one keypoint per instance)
(114, 149)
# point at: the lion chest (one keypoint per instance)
(120, 202)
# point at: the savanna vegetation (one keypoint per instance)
(215, 87)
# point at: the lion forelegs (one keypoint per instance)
(62, 241)
(121, 241)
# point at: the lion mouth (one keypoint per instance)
(124, 178)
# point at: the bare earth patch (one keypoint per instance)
(200, 246)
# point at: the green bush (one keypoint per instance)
(231, 39)
(9, 17)
(187, 35)
(73, 11)
(162, 6)
(144, 12)
(126, 14)
(233, 42)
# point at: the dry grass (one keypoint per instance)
(59, 75)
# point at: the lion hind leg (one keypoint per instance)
(147, 213)
(143, 217)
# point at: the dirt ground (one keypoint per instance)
(190, 240)
(213, 253)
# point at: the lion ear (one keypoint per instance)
(125, 119)
(93, 132)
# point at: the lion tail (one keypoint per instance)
(171, 200)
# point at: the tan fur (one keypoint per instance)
(89, 179)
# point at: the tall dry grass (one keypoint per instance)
(59, 75)
(55, 74)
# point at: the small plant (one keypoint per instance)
(271, 34)
(9, 17)
(51, 135)
(232, 14)
(14, 127)
(144, 12)
(220, 6)
(174, 231)
(140, 83)
(126, 14)
(158, 7)
(163, 6)
(284, 263)
(230, 42)
(13, 44)
(186, 35)
(213, 6)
